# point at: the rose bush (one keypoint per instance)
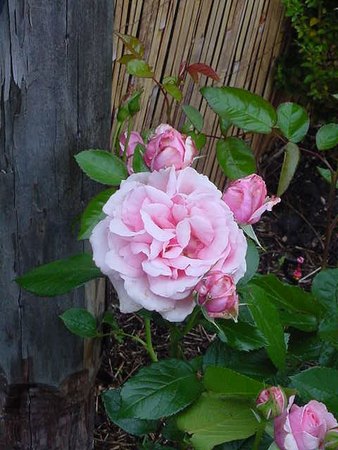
(303, 427)
(247, 199)
(168, 147)
(163, 232)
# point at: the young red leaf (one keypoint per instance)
(204, 69)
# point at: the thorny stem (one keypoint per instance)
(149, 344)
(166, 100)
(331, 224)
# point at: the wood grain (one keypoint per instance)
(55, 90)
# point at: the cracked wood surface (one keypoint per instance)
(55, 85)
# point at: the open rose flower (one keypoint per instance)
(167, 147)
(303, 427)
(163, 232)
(217, 293)
(247, 199)
(134, 139)
(271, 402)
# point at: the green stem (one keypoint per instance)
(115, 136)
(175, 337)
(193, 319)
(259, 435)
(129, 130)
(149, 344)
(166, 100)
(131, 336)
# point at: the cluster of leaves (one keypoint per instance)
(310, 66)
(284, 336)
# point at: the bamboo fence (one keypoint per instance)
(239, 39)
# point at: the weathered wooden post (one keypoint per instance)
(55, 81)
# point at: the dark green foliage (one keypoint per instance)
(309, 68)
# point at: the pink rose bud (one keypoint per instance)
(167, 147)
(271, 402)
(247, 199)
(134, 139)
(303, 427)
(217, 293)
(331, 439)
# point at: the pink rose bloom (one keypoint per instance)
(167, 148)
(271, 402)
(247, 199)
(134, 139)
(303, 428)
(217, 293)
(163, 232)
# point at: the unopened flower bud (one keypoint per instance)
(331, 439)
(271, 402)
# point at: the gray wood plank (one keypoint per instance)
(55, 81)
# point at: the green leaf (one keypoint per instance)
(224, 125)
(252, 262)
(293, 121)
(328, 330)
(139, 68)
(246, 444)
(60, 277)
(327, 136)
(138, 162)
(160, 390)
(254, 364)
(137, 427)
(174, 91)
(325, 289)
(155, 446)
(93, 213)
(326, 174)
(250, 232)
(268, 322)
(126, 58)
(170, 430)
(134, 102)
(102, 166)
(198, 138)
(241, 335)
(194, 116)
(132, 44)
(231, 383)
(243, 108)
(81, 322)
(110, 320)
(213, 420)
(319, 383)
(235, 158)
(303, 322)
(290, 163)
(292, 298)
